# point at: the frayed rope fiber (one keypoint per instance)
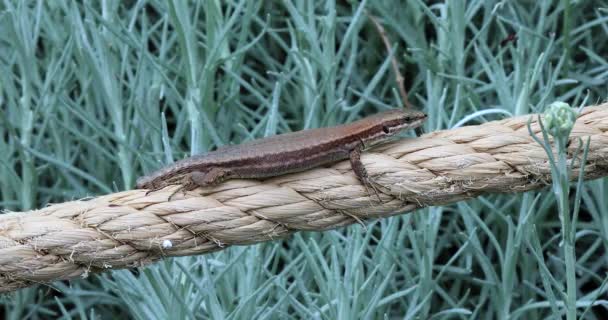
(130, 229)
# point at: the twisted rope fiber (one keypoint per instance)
(129, 229)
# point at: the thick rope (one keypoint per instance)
(130, 228)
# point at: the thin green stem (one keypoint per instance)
(561, 186)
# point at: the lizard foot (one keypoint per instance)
(370, 183)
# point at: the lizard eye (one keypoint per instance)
(386, 129)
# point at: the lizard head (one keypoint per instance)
(388, 123)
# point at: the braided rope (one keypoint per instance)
(129, 229)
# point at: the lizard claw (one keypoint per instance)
(370, 183)
(178, 189)
(183, 188)
(153, 189)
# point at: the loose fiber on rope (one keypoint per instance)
(130, 228)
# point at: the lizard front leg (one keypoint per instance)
(361, 172)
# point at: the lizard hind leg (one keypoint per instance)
(210, 177)
(184, 185)
(197, 179)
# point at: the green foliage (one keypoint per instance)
(558, 122)
(93, 94)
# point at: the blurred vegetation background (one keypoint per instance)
(94, 94)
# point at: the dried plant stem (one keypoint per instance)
(395, 65)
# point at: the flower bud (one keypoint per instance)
(559, 119)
